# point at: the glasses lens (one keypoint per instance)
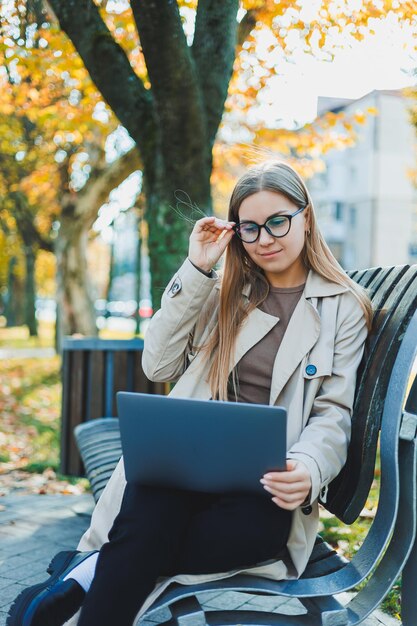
(248, 232)
(278, 225)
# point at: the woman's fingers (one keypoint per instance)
(289, 501)
(286, 487)
(212, 220)
(212, 225)
(296, 472)
(288, 497)
(289, 506)
(289, 488)
(208, 241)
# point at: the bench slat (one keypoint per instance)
(100, 448)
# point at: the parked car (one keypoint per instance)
(123, 308)
(45, 309)
(145, 308)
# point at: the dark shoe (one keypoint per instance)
(54, 601)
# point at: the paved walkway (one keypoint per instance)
(26, 353)
(33, 528)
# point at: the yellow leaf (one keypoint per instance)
(360, 117)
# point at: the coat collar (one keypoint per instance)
(316, 287)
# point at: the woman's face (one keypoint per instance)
(280, 258)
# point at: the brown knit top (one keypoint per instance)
(254, 370)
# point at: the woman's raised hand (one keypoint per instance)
(208, 240)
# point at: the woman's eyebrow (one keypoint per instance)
(282, 212)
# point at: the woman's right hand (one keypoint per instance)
(208, 240)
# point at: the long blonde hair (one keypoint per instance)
(239, 270)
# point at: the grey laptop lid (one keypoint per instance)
(200, 445)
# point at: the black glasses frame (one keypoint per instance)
(265, 225)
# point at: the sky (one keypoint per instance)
(385, 60)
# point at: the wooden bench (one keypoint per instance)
(385, 407)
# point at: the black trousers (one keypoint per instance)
(162, 532)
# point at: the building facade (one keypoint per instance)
(365, 200)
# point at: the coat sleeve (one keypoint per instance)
(171, 331)
(323, 444)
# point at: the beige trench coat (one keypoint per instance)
(327, 329)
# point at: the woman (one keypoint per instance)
(283, 325)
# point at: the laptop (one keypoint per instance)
(200, 445)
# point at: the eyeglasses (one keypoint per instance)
(276, 226)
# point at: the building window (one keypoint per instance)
(413, 250)
(352, 216)
(337, 248)
(338, 211)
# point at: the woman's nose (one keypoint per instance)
(265, 238)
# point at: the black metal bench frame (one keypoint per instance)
(382, 405)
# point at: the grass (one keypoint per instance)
(30, 406)
(30, 395)
(18, 337)
(105, 333)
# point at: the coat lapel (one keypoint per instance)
(256, 326)
(303, 330)
(301, 334)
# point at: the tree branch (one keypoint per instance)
(214, 50)
(98, 187)
(246, 26)
(24, 222)
(109, 69)
(172, 73)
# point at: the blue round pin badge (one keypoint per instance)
(311, 370)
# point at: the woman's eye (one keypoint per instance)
(248, 228)
(277, 221)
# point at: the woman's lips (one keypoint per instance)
(268, 255)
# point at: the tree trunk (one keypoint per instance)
(14, 308)
(168, 230)
(138, 272)
(78, 212)
(174, 123)
(30, 295)
(76, 312)
(32, 241)
(111, 272)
